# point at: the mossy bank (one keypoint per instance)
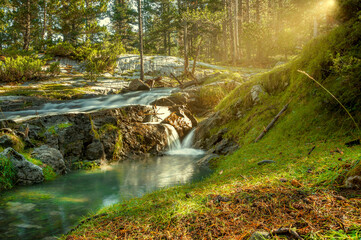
(301, 187)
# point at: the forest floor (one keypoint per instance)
(298, 192)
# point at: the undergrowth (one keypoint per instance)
(302, 189)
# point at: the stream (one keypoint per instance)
(52, 208)
(90, 104)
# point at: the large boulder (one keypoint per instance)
(94, 151)
(26, 172)
(51, 157)
(138, 85)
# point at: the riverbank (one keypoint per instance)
(303, 175)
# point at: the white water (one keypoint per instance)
(178, 148)
(90, 104)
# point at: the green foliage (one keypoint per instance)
(20, 69)
(53, 130)
(62, 49)
(118, 146)
(85, 165)
(54, 69)
(7, 173)
(103, 59)
(18, 143)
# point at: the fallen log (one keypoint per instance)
(270, 125)
(198, 82)
(173, 76)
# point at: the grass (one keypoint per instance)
(48, 91)
(7, 174)
(301, 190)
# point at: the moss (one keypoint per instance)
(48, 91)
(48, 171)
(93, 129)
(7, 174)
(18, 142)
(85, 165)
(106, 128)
(118, 146)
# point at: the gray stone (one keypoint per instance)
(6, 141)
(51, 157)
(260, 235)
(137, 85)
(94, 151)
(255, 93)
(206, 159)
(26, 172)
(265, 162)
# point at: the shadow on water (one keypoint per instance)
(53, 208)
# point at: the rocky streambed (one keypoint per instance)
(143, 141)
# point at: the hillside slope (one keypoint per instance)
(303, 186)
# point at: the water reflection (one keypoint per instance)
(53, 208)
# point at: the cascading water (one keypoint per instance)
(176, 147)
(90, 104)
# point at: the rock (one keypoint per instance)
(26, 172)
(206, 159)
(51, 157)
(203, 139)
(353, 177)
(225, 147)
(260, 235)
(255, 93)
(265, 162)
(179, 120)
(283, 180)
(219, 198)
(137, 85)
(94, 151)
(6, 141)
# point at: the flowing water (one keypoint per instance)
(53, 208)
(91, 104)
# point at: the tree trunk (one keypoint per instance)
(27, 26)
(240, 22)
(235, 34)
(247, 12)
(196, 57)
(140, 19)
(185, 40)
(44, 25)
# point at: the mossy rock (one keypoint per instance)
(353, 177)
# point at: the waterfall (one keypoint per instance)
(175, 147)
(188, 140)
(173, 138)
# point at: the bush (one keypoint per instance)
(7, 173)
(20, 69)
(54, 69)
(103, 59)
(63, 49)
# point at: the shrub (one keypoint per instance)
(20, 69)
(7, 173)
(63, 49)
(54, 69)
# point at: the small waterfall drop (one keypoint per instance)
(173, 138)
(175, 147)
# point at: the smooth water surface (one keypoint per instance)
(53, 208)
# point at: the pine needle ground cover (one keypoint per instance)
(301, 189)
